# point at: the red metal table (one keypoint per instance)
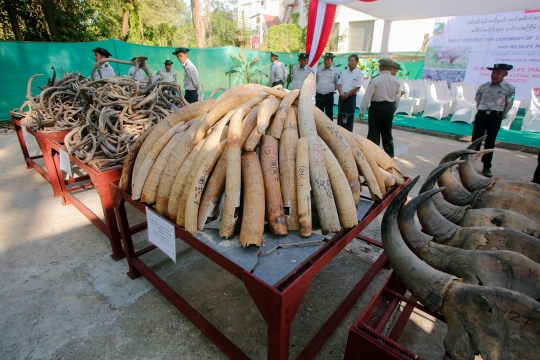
(277, 303)
(365, 339)
(98, 180)
(42, 139)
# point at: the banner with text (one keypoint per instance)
(462, 47)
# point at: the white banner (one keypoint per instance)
(462, 47)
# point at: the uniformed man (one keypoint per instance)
(106, 69)
(278, 74)
(140, 72)
(166, 73)
(395, 68)
(493, 100)
(191, 75)
(349, 84)
(382, 97)
(300, 71)
(327, 82)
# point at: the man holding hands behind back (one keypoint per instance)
(327, 80)
(348, 85)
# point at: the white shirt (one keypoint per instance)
(277, 72)
(351, 79)
(382, 87)
(299, 75)
(191, 76)
(165, 75)
(140, 73)
(106, 71)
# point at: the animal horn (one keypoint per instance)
(433, 223)
(427, 284)
(455, 192)
(476, 143)
(470, 179)
(414, 238)
(452, 212)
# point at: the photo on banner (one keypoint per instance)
(461, 48)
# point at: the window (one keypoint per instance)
(361, 35)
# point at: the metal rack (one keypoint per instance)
(277, 301)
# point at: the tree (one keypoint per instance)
(224, 27)
(284, 37)
(244, 68)
(199, 24)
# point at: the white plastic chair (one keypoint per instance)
(406, 103)
(531, 121)
(465, 111)
(360, 96)
(444, 95)
(511, 116)
(420, 103)
(434, 107)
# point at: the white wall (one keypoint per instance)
(404, 35)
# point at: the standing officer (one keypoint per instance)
(493, 100)
(106, 69)
(277, 71)
(140, 73)
(327, 80)
(349, 83)
(166, 73)
(383, 92)
(300, 71)
(191, 75)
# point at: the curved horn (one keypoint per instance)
(452, 212)
(415, 239)
(51, 81)
(424, 282)
(433, 223)
(470, 179)
(97, 65)
(476, 143)
(455, 192)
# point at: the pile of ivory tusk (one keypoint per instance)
(263, 158)
(476, 259)
(105, 116)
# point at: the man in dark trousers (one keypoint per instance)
(349, 83)
(382, 97)
(327, 79)
(493, 100)
(191, 75)
(278, 74)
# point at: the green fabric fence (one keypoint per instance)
(21, 60)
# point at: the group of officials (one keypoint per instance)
(382, 94)
(191, 75)
(493, 99)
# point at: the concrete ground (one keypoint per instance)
(62, 295)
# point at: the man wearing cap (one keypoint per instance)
(277, 71)
(106, 69)
(493, 100)
(349, 83)
(191, 75)
(300, 71)
(140, 72)
(327, 80)
(395, 68)
(166, 73)
(382, 97)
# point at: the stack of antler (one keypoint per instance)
(54, 108)
(254, 143)
(105, 115)
(481, 266)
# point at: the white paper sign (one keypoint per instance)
(161, 234)
(65, 163)
(415, 94)
(24, 133)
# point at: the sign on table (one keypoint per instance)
(65, 163)
(161, 234)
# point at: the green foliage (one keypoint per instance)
(245, 69)
(284, 38)
(370, 68)
(224, 28)
(294, 17)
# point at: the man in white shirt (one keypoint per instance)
(349, 84)
(105, 68)
(278, 74)
(300, 71)
(382, 97)
(191, 75)
(140, 72)
(166, 73)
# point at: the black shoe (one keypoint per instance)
(487, 173)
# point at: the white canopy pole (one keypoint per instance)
(385, 38)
